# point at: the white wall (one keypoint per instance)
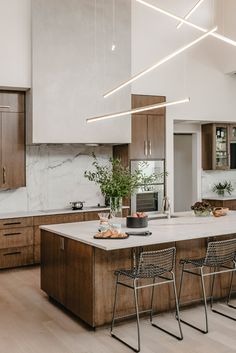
(15, 43)
(198, 73)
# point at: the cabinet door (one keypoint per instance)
(232, 133)
(53, 266)
(79, 280)
(156, 136)
(13, 150)
(221, 147)
(138, 146)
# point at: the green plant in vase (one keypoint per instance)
(223, 187)
(116, 181)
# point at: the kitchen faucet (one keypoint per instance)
(166, 209)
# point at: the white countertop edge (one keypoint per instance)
(22, 214)
(219, 198)
(167, 231)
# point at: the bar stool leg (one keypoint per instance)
(230, 292)
(114, 305)
(137, 317)
(137, 313)
(180, 337)
(227, 301)
(177, 307)
(152, 296)
(204, 299)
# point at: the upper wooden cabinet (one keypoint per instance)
(216, 146)
(148, 129)
(12, 145)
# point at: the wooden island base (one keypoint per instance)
(81, 278)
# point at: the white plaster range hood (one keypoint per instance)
(73, 65)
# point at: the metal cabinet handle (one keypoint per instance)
(11, 223)
(10, 234)
(5, 107)
(12, 253)
(150, 147)
(145, 148)
(4, 175)
(62, 243)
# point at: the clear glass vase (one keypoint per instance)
(116, 207)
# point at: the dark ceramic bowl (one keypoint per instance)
(134, 222)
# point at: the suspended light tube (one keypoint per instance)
(137, 110)
(195, 7)
(169, 14)
(159, 63)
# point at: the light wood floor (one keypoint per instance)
(30, 323)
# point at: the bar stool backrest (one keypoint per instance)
(154, 262)
(220, 252)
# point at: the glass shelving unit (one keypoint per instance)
(222, 149)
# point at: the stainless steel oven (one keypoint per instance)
(148, 198)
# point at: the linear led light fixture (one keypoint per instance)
(137, 110)
(190, 12)
(167, 13)
(159, 63)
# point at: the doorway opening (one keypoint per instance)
(185, 171)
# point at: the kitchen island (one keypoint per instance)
(78, 271)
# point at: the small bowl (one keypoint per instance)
(220, 211)
(136, 222)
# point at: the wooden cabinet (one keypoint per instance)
(231, 204)
(20, 238)
(51, 219)
(148, 130)
(216, 146)
(53, 266)
(16, 242)
(12, 145)
(67, 274)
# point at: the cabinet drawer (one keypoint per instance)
(11, 238)
(14, 100)
(62, 218)
(16, 222)
(16, 257)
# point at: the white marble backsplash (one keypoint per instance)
(209, 178)
(54, 177)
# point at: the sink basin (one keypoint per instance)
(162, 217)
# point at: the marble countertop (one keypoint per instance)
(183, 227)
(219, 198)
(51, 212)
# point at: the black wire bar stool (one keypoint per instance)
(220, 258)
(151, 265)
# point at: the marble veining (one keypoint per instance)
(54, 177)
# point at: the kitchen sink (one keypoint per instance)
(162, 217)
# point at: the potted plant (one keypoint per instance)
(222, 187)
(116, 181)
(202, 209)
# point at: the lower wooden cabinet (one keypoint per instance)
(231, 204)
(66, 274)
(21, 236)
(15, 257)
